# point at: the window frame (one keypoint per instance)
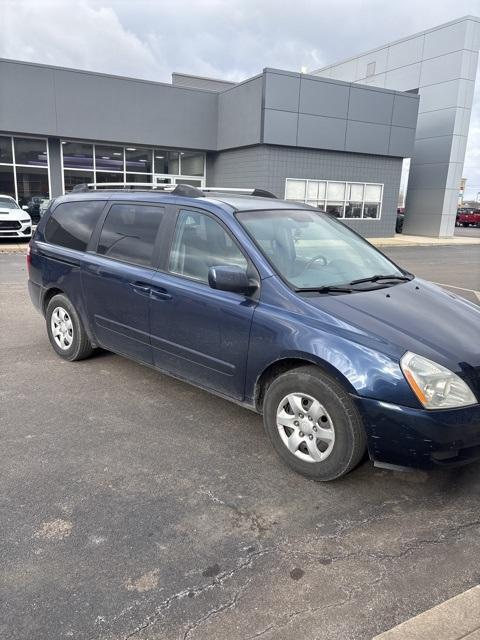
(95, 238)
(14, 163)
(251, 268)
(325, 201)
(149, 177)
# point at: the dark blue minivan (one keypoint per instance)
(271, 304)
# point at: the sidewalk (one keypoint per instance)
(399, 240)
(454, 619)
(13, 247)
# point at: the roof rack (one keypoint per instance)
(180, 189)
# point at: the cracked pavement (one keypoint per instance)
(136, 506)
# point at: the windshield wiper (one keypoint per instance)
(327, 289)
(376, 278)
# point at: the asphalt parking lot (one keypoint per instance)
(136, 506)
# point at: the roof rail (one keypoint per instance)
(179, 189)
(260, 193)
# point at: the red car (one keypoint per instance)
(467, 217)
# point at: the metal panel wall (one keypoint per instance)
(77, 104)
(441, 63)
(321, 113)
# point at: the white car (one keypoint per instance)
(14, 221)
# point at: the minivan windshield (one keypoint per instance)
(311, 250)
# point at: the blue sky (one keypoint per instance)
(231, 39)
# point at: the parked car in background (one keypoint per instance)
(14, 221)
(274, 305)
(468, 218)
(400, 218)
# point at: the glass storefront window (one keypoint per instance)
(355, 192)
(192, 164)
(296, 189)
(78, 155)
(7, 181)
(166, 162)
(312, 190)
(103, 176)
(353, 210)
(139, 177)
(31, 182)
(342, 199)
(138, 160)
(6, 150)
(108, 157)
(373, 192)
(72, 178)
(31, 152)
(335, 209)
(336, 191)
(371, 210)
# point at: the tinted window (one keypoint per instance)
(129, 233)
(71, 224)
(201, 243)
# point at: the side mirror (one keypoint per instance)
(231, 278)
(25, 208)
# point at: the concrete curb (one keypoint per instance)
(420, 241)
(13, 248)
(454, 619)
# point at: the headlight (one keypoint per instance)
(435, 386)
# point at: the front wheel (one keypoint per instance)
(65, 330)
(313, 424)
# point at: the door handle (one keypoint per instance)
(159, 293)
(141, 288)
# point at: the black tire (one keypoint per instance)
(80, 347)
(350, 441)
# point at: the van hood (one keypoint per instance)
(413, 316)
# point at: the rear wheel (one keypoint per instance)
(65, 330)
(313, 424)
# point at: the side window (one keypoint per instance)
(71, 224)
(129, 233)
(200, 243)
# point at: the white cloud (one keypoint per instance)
(231, 39)
(73, 34)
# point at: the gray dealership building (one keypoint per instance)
(335, 138)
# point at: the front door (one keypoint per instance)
(198, 333)
(117, 277)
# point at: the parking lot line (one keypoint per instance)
(452, 286)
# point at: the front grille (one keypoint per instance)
(9, 224)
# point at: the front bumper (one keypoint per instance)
(418, 438)
(15, 229)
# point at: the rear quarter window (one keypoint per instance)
(71, 224)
